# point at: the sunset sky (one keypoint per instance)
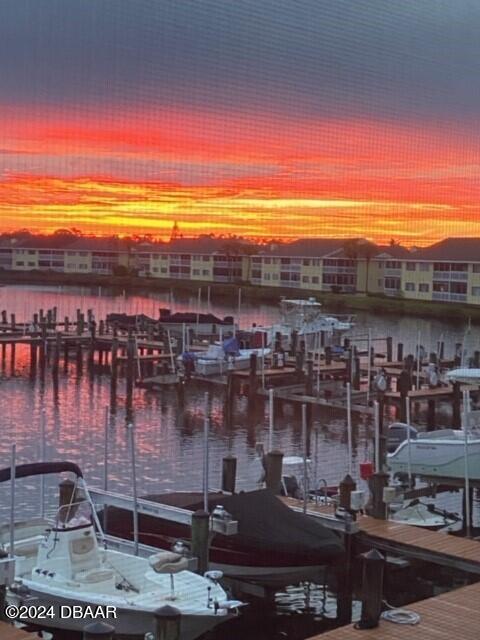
(281, 118)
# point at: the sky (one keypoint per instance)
(270, 118)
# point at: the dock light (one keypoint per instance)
(357, 500)
(389, 494)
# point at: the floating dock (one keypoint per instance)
(450, 615)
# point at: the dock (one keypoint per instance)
(449, 615)
(404, 539)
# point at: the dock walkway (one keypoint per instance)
(404, 539)
(451, 615)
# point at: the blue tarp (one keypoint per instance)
(231, 347)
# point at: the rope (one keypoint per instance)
(400, 616)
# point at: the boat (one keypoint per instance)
(221, 357)
(464, 375)
(438, 454)
(426, 516)
(67, 562)
(205, 324)
(305, 317)
(274, 545)
(398, 433)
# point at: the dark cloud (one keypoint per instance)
(409, 58)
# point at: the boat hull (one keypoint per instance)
(132, 622)
(437, 458)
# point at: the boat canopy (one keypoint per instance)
(40, 469)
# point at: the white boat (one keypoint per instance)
(426, 516)
(61, 564)
(464, 375)
(306, 318)
(216, 359)
(438, 454)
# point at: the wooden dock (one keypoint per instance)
(9, 632)
(451, 615)
(404, 539)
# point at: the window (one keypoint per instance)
(314, 279)
(19, 264)
(411, 266)
(476, 268)
(423, 287)
(267, 260)
(31, 264)
(460, 266)
(285, 261)
(458, 287)
(392, 283)
(164, 270)
(424, 266)
(256, 273)
(409, 286)
(305, 279)
(205, 272)
(155, 269)
(196, 272)
(274, 276)
(306, 263)
(266, 276)
(475, 291)
(206, 258)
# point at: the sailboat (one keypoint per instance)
(68, 562)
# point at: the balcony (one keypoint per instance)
(450, 275)
(446, 296)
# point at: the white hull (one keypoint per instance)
(208, 367)
(436, 456)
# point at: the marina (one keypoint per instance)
(116, 363)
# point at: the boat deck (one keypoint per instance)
(393, 537)
(450, 615)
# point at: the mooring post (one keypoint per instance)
(457, 406)
(167, 623)
(400, 352)
(4, 317)
(345, 488)
(98, 631)
(200, 539)
(252, 382)
(273, 476)
(309, 379)
(356, 371)
(293, 342)
(66, 324)
(13, 322)
(344, 575)
(389, 349)
(130, 375)
(229, 473)
(404, 384)
(377, 482)
(372, 589)
(328, 355)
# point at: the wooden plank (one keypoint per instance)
(450, 615)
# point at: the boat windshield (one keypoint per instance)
(74, 515)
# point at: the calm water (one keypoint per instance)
(169, 438)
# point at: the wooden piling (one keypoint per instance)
(273, 476)
(98, 631)
(372, 589)
(130, 377)
(377, 482)
(389, 349)
(252, 381)
(200, 539)
(345, 488)
(229, 472)
(167, 623)
(400, 352)
(113, 376)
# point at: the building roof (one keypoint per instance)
(307, 248)
(450, 249)
(393, 251)
(94, 243)
(206, 245)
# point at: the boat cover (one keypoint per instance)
(266, 523)
(230, 346)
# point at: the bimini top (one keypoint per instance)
(40, 469)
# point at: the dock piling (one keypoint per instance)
(372, 589)
(200, 539)
(229, 472)
(273, 476)
(167, 623)
(98, 631)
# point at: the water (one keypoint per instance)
(169, 438)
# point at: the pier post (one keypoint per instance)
(345, 488)
(33, 356)
(404, 384)
(309, 379)
(457, 406)
(66, 324)
(378, 508)
(400, 352)
(345, 577)
(113, 376)
(252, 382)
(356, 370)
(273, 476)
(200, 539)
(167, 623)
(98, 631)
(293, 342)
(4, 317)
(13, 322)
(229, 472)
(389, 349)
(372, 589)
(328, 355)
(431, 415)
(130, 376)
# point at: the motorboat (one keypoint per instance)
(398, 433)
(305, 317)
(464, 375)
(203, 324)
(438, 454)
(221, 357)
(426, 516)
(68, 561)
(273, 546)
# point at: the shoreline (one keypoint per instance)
(336, 302)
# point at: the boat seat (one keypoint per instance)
(84, 555)
(168, 562)
(95, 576)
